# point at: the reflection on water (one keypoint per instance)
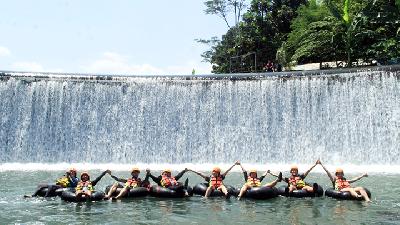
(340, 213)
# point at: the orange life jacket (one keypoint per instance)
(341, 183)
(168, 181)
(216, 181)
(133, 182)
(254, 182)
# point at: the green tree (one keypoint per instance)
(353, 30)
(223, 8)
(315, 37)
(376, 31)
(346, 19)
(370, 28)
(263, 28)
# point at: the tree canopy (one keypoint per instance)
(301, 31)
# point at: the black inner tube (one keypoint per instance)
(69, 196)
(200, 189)
(300, 193)
(261, 193)
(173, 192)
(344, 195)
(132, 193)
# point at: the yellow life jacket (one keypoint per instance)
(254, 182)
(297, 181)
(86, 184)
(63, 181)
(300, 184)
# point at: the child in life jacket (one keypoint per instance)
(253, 181)
(340, 183)
(69, 180)
(296, 180)
(166, 180)
(216, 180)
(86, 186)
(127, 184)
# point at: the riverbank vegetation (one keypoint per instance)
(292, 32)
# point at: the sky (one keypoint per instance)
(107, 37)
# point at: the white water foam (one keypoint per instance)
(349, 118)
(348, 168)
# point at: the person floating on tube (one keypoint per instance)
(252, 180)
(340, 183)
(216, 180)
(296, 180)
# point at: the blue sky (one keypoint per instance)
(103, 36)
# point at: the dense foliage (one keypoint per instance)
(297, 32)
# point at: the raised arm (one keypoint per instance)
(264, 175)
(230, 168)
(118, 179)
(312, 167)
(328, 173)
(154, 178)
(198, 173)
(244, 171)
(99, 177)
(357, 178)
(273, 174)
(177, 177)
(241, 166)
(146, 178)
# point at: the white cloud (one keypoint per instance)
(185, 69)
(111, 62)
(27, 66)
(4, 51)
(32, 67)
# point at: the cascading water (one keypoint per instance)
(350, 117)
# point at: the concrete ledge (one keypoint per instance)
(36, 76)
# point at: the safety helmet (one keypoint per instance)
(167, 171)
(253, 171)
(216, 169)
(72, 169)
(339, 170)
(135, 169)
(294, 167)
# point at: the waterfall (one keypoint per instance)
(343, 118)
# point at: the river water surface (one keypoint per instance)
(384, 209)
